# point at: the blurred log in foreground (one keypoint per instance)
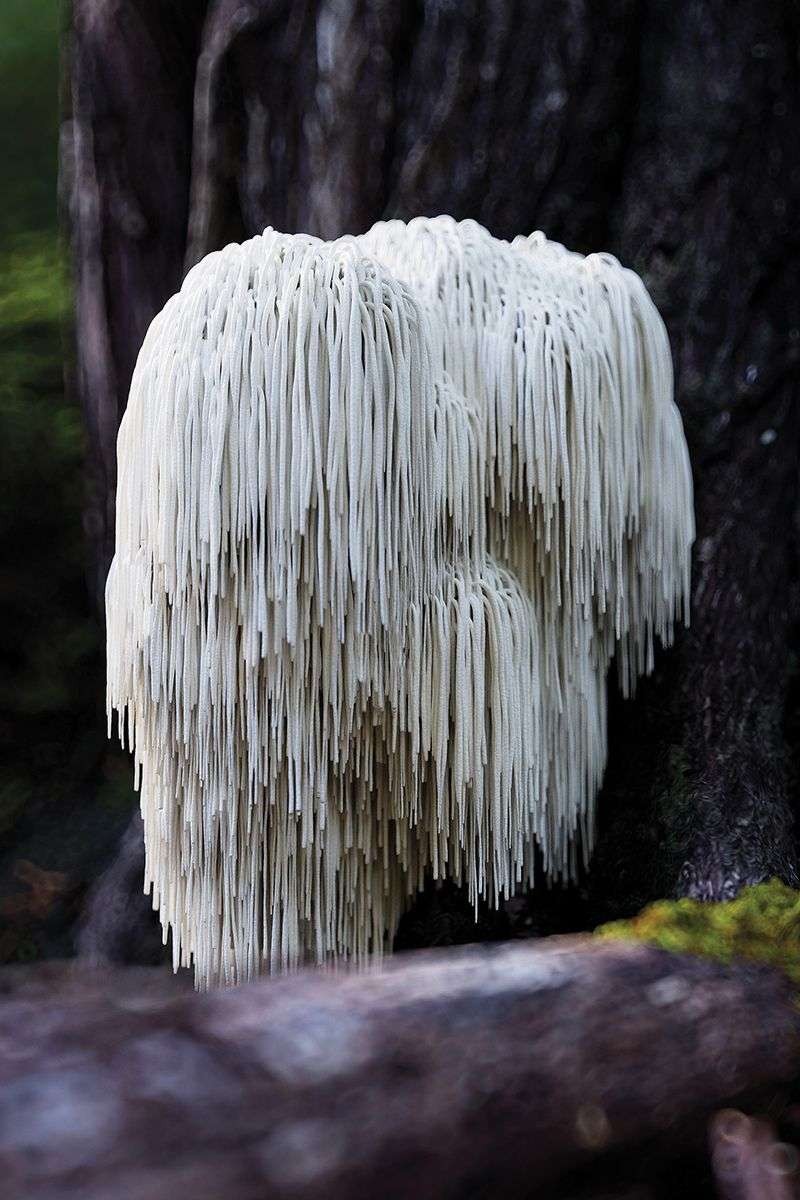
(749, 1161)
(511, 1072)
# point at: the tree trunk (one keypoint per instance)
(710, 178)
(127, 150)
(662, 131)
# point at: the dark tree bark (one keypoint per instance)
(127, 155)
(117, 923)
(515, 1072)
(665, 132)
(710, 181)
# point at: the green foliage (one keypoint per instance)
(43, 640)
(64, 794)
(762, 924)
(40, 440)
(28, 113)
(33, 285)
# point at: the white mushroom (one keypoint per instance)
(387, 506)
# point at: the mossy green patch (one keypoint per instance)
(762, 924)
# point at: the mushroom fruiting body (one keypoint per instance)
(387, 506)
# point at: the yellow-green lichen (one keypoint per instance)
(762, 924)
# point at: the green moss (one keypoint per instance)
(762, 924)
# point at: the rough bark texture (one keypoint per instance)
(513, 1072)
(665, 132)
(710, 180)
(127, 153)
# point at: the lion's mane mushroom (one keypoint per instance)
(387, 506)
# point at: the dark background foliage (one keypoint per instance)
(64, 796)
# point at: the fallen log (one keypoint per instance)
(486, 1071)
(749, 1161)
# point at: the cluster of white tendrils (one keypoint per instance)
(387, 506)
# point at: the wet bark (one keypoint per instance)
(663, 132)
(574, 1071)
